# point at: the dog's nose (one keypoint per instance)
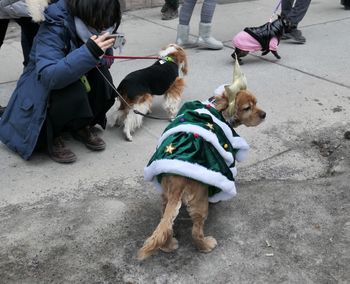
(262, 115)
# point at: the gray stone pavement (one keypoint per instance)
(290, 220)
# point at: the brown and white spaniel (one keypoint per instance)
(138, 88)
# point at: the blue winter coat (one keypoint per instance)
(55, 62)
(12, 9)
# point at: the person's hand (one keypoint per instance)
(103, 41)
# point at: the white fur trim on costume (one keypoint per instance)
(194, 171)
(36, 9)
(241, 155)
(236, 141)
(206, 134)
(233, 171)
(219, 90)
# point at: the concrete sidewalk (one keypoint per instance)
(290, 220)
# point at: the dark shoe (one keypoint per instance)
(164, 8)
(346, 4)
(170, 14)
(89, 139)
(60, 154)
(2, 110)
(295, 35)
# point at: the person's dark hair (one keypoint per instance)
(98, 14)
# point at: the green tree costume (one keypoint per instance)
(201, 145)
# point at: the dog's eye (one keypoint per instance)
(246, 108)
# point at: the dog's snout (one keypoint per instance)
(262, 114)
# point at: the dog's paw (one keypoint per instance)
(171, 246)
(207, 244)
(128, 137)
(110, 124)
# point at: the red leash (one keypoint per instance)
(129, 57)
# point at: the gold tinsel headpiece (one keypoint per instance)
(239, 83)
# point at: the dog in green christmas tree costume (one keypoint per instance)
(201, 145)
(195, 158)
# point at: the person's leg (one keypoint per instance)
(172, 4)
(183, 29)
(186, 12)
(298, 11)
(346, 4)
(207, 11)
(3, 28)
(69, 110)
(170, 9)
(292, 19)
(205, 40)
(101, 98)
(2, 110)
(286, 7)
(29, 30)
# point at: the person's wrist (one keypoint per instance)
(95, 50)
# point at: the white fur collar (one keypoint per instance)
(36, 9)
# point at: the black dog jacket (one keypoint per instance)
(155, 79)
(264, 33)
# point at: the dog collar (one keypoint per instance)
(166, 59)
(212, 100)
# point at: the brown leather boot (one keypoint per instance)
(89, 139)
(60, 154)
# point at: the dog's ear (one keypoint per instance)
(221, 101)
(182, 59)
(184, 66)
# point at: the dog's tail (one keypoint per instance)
(163, 232)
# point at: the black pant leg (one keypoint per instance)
(29, 30)
(73, 108)
(69, 109)
(101, 96)
(3, 28)
(299, 11)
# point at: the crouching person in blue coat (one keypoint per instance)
(62, 88)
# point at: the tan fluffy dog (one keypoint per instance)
(178, 190)
(137, 90)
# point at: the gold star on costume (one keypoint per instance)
(169, 149)
(211, 126)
